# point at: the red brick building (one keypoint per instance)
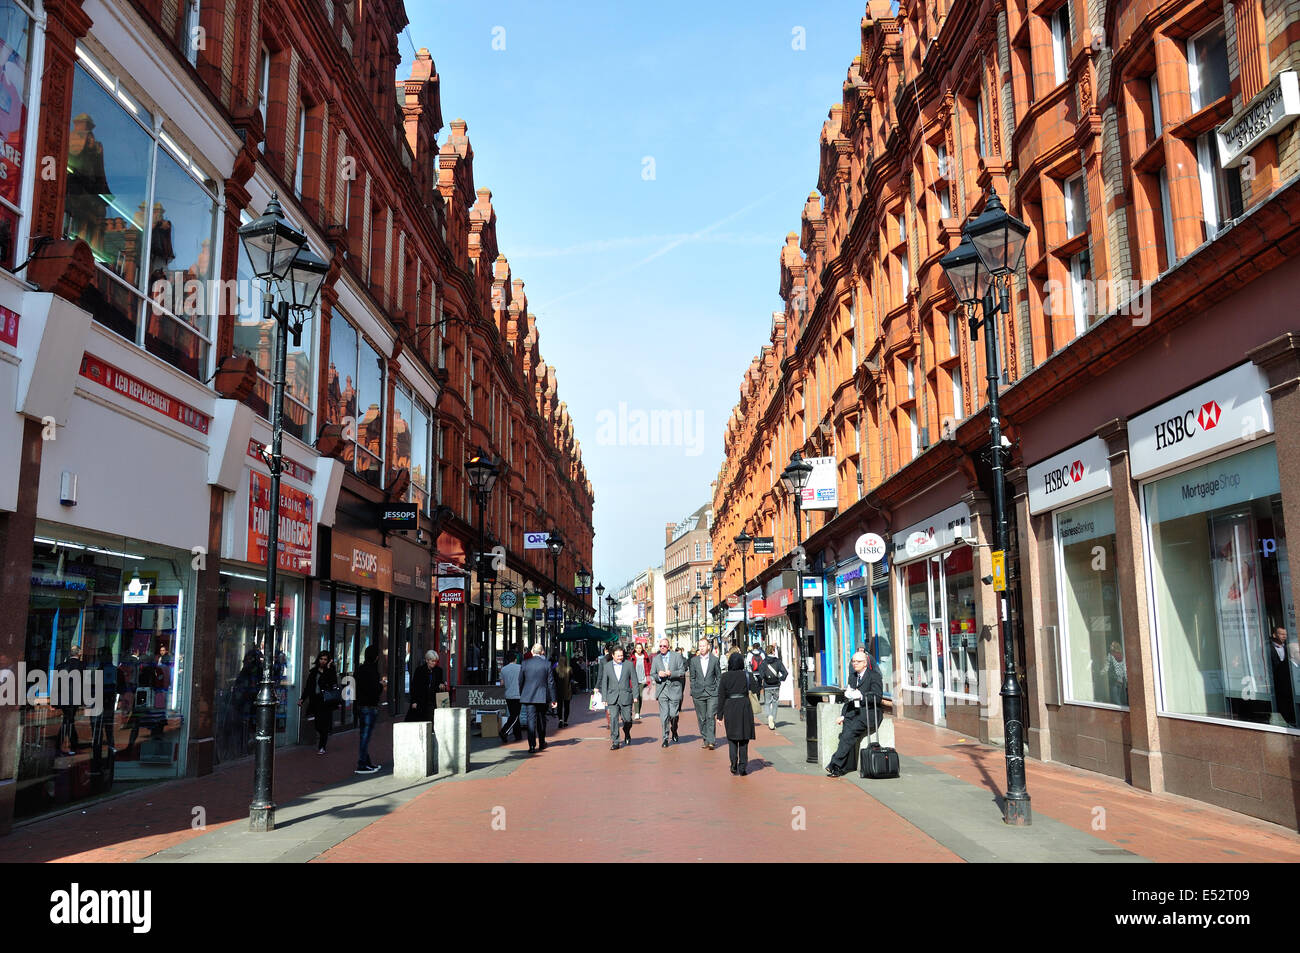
(1150, 360)
(143, 135)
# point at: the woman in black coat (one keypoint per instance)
(321, 677)
(734, 710)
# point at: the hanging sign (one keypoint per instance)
(764, 545)
(870, 548)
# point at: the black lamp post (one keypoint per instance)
(742, 544)
(279, 256)
(610, 603)
(795, 477)
(482, 474)
(719, 571)
(599, 604)
(584, 583)
(556, 545)
(695, 622)
(990, 249)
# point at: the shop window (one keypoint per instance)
(1096, 670)
(1207, 66)
(918, 658)
(411, 422)
(1220, 187)
(355, 398)
(883, 649)
(960, 661)
(149, 215)
(16, 35)
(255, 337)
(1221, 591)
(1060, 24)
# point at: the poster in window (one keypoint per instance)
(1237, 607)
(14, 32)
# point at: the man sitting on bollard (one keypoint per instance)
(861, 712)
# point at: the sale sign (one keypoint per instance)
(297, 524)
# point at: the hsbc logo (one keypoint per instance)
(1060, 478)
(1175, 430)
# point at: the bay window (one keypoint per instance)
(355, 398)
(16, 35)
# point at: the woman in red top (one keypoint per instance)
(641, 664)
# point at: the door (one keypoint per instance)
(938, 626)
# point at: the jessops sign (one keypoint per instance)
(1081, 471)
(1233, 408)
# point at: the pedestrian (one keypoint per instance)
(510, 673)
(370, 687)
(425, 685)
(860, 714)
(102, 723)
(564, 688)
(68, 726)
(669, 679)
(705, 674)
(774, 673)
(320, 693)
(618, 686)
(754, 662)
(536, 693)
(641, 667)
(737, 718)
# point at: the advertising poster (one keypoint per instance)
(1237, 607)
(297, 523)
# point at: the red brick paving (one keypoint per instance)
(141, 823)
(1164, 828)
(579, 801)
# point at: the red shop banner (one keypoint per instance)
(102, 372)
(297, 524)
(8, 326)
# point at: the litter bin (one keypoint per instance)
(811, 698)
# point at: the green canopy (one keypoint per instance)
(586, 632)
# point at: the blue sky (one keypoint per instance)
(646, 162)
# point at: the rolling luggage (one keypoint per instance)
(877, 762)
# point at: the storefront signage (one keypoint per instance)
(764, 545)
(292, 468)
(8, 326)
(533, 600)
(1081, 471)
(733, 600)
(509, 600)
(411, 574)
(1231, 409)
(101, 372)
(870, 548)
(812, 587)
(940, 531)
(819, 492)
(297, 524)
(1273, 107)
(536, 540)
(361, 563)
(735, 615)
(399, 516)
(449, 597)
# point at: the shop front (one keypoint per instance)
(938, 634)
(350, 607)
(779, 598)
(449, 622)
(410, 626)
(105, 666)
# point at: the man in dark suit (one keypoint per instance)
(536, 691)
(861, 712)
(1283, 693)
(705, 672)
(618, 687)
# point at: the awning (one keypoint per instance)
(587, 633)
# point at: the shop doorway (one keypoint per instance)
(941, 640)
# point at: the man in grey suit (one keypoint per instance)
(668, 672)
(705, 673)
(618, 688)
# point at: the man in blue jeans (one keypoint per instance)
(370, 686)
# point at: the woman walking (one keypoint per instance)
(563, 689)
(734, 710)
(321, 694)
(640, 665)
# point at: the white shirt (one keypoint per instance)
(618, 670)
(704, 664)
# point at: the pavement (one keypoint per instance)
(580, 801)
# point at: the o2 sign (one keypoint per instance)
(870, 548)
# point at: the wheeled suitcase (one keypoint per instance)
(877, 762)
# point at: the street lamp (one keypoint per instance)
(556, 545)
(719, 571)
(991, 247)
(610, 603)
(482, 474)
(695, 608)
(600, 598)
(742, 544)
(795, 477)
(279, 256)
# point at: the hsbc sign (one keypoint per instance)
(1231, 409)
(1071, 475)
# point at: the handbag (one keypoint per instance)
(331, 697)
(597, 702)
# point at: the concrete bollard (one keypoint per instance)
(413, 750)
(451, 737)
(828, 733)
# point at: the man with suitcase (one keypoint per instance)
(861, 713)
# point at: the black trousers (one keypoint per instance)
(536, 724)
(563, 710)
(739, 752)
(323, 720)
(512, 719)
(855, 728)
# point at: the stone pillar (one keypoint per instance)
(986, 618)
(1280, 361)
(17, 530)
(1146, 765)
(1040, 655)
(203, 648)
(66, 23)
